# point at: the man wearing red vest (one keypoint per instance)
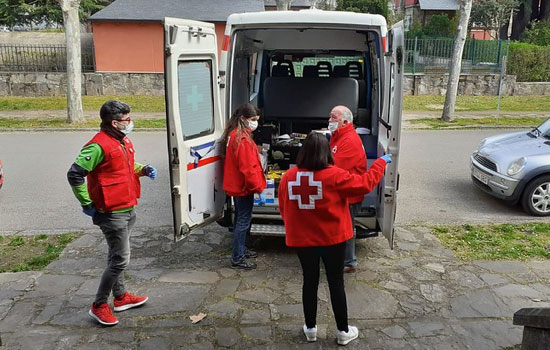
(109, 197)
(348, 154)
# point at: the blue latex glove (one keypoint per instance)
(262, 199)
(387, 158)
(150, 171)
(89, 210)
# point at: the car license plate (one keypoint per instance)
(480, 176)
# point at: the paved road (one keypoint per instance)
(435, 182)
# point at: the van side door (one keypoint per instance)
(195, 123)
(390, 129)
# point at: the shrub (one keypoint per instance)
(441, 25)
(538, 34)
(529, 62)
(366, 6)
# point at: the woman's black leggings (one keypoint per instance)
(333, 258)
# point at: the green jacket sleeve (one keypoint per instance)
(88, 159)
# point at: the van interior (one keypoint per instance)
(296, 76)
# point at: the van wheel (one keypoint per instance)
(536, 197)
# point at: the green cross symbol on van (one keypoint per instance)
(195, 98)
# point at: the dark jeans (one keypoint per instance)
(333, 258)
(241, 226)
(116, 228)
(351, 259)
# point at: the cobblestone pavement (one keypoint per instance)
(418, 296)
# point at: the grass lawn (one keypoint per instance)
(17, 123)
(437, 123)
(497, 242)
(410, 103)
(30, 253)
(89, 103)
(478, 103)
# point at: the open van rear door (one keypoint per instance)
(390, 129)
(194, 124)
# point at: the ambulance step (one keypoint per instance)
(267, 230)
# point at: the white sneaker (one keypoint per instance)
(345, 337)
(311, 333)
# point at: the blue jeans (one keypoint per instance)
(241, 226)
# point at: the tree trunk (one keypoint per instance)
(456, 63)
(521, 19)
(74, 60)
(544, 12)
(283, 5)
(535, 9)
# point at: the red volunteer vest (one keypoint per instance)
(113, 184)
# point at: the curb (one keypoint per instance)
(468, 127)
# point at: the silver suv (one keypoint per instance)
(515, 167)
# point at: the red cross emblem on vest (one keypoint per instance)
(305, 190)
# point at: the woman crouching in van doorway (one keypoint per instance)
(313, 200)
(243, 176)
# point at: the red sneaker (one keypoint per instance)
(127, 301)
(103, 314)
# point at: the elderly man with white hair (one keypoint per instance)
(348, 153)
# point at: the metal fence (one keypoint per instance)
(41, 58)
(434, 55)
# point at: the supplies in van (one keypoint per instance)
(269, 193)
(275, 174)
(289, 140)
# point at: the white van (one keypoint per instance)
(295, 66)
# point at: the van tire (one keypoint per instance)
(539, 186)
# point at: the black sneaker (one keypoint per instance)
(250, 254)
(243, 265)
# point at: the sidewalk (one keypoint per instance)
(418, 296)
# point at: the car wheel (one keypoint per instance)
(536, 197)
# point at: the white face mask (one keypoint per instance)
(128, 129)
(332, 126)
(253, 124)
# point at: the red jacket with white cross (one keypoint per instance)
(348, 153)
(314, 204)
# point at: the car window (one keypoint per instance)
(544, 128)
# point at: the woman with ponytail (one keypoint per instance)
(243, 177)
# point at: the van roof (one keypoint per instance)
(308, 17)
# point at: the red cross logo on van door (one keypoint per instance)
(305, 190)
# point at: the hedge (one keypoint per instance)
(529, 62)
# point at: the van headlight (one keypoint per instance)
(516, 166)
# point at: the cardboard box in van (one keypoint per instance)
(295, 66)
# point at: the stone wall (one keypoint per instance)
(469, 84)
(55, 84)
